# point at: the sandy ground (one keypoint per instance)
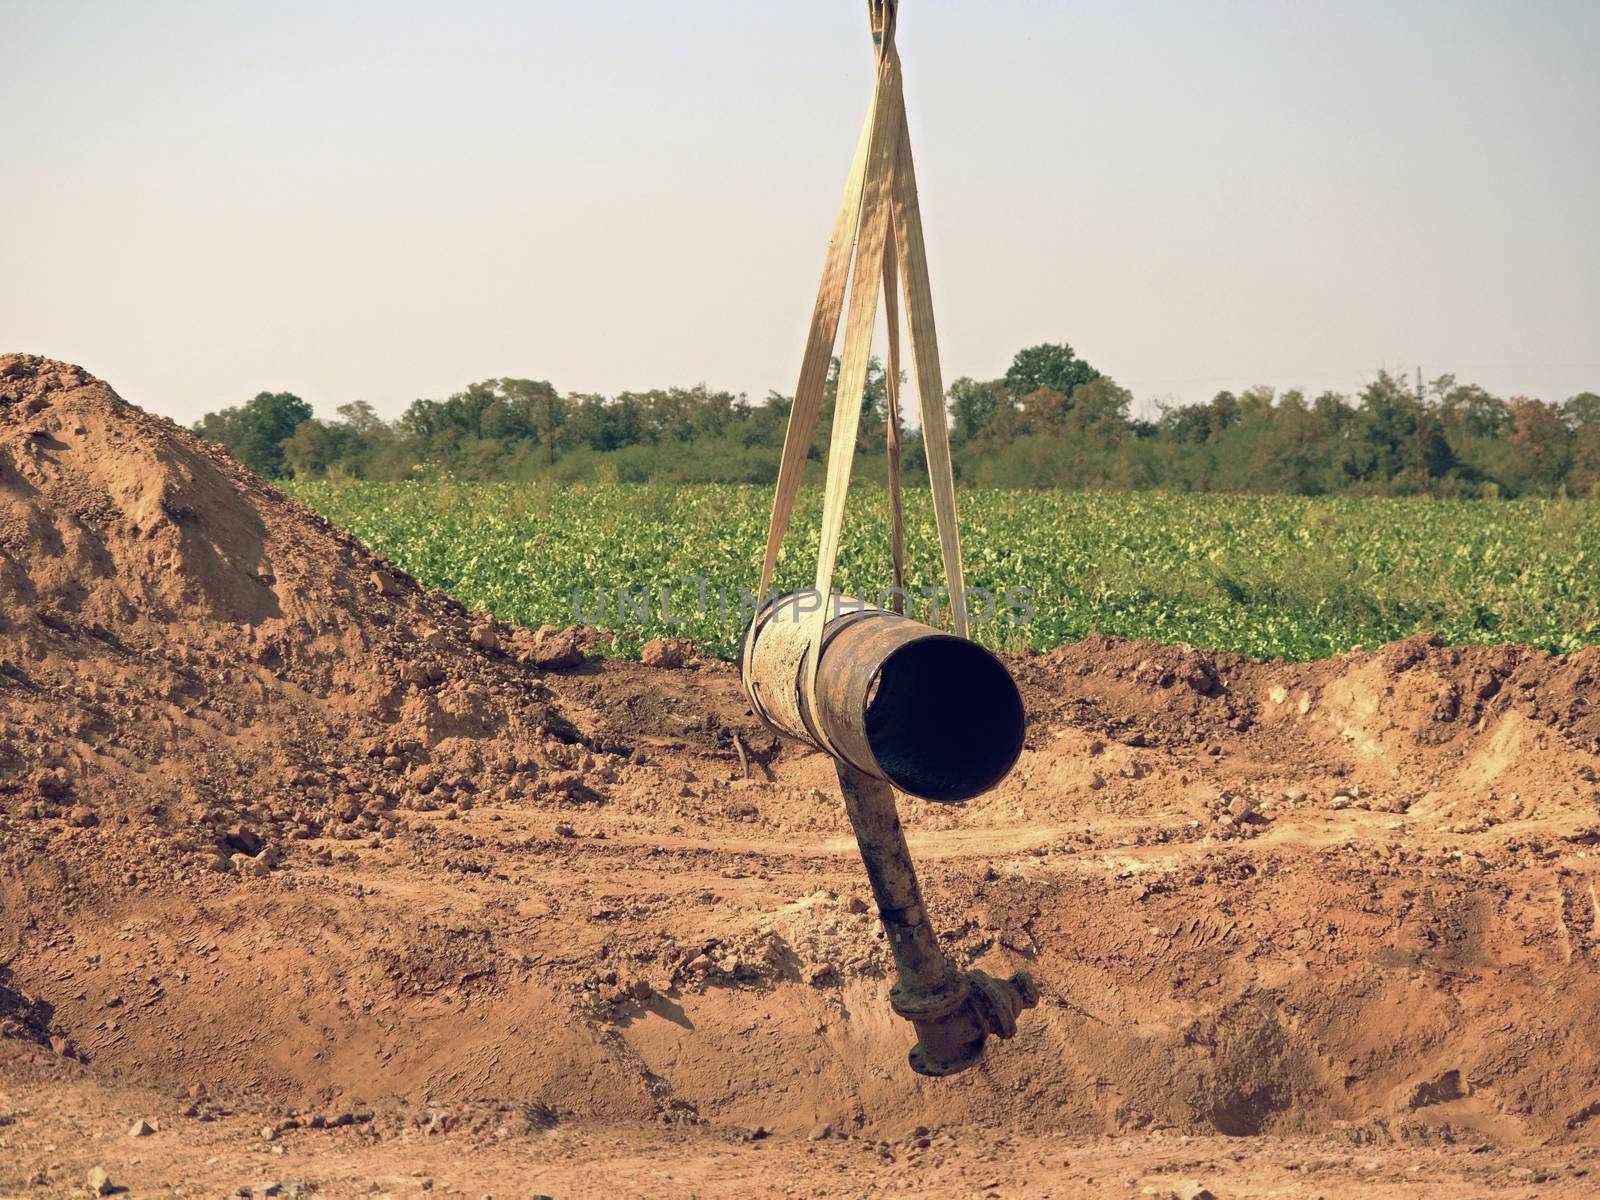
(340, 887)
(63, 1125)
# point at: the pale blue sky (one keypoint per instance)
(383, 201)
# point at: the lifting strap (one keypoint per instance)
(879, 228)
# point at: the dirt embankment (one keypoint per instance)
(276, 820)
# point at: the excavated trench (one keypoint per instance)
(275, 818)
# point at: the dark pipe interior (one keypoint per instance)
(945, 719)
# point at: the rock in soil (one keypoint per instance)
(665, 653)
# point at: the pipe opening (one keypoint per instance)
(944, 719)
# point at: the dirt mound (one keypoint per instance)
(276, 820)
(184, 648)
(1481, 733)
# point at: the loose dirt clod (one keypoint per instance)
(336, 858)
(665, 653)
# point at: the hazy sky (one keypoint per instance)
(382, 201)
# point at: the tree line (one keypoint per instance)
(1051, 421)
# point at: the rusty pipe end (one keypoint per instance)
(952, 1040)
(938, 716)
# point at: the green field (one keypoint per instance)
(1266, 575)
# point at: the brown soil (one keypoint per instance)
(277, 822)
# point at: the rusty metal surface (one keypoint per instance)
(771, 678)
(954, 1013)
(855, 647)
(947, 726)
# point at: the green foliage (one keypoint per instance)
(1053, 421)
(1056, 367)
(972, 406)
(1290, 576)
(254, 433)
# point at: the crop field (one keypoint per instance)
(1271, 576)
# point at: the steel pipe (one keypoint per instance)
(935, 715)
(953, 1012)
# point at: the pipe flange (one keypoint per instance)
(929, 1005)
(998, 1002)
(925, 1061)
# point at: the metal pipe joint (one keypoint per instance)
(898, 703)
